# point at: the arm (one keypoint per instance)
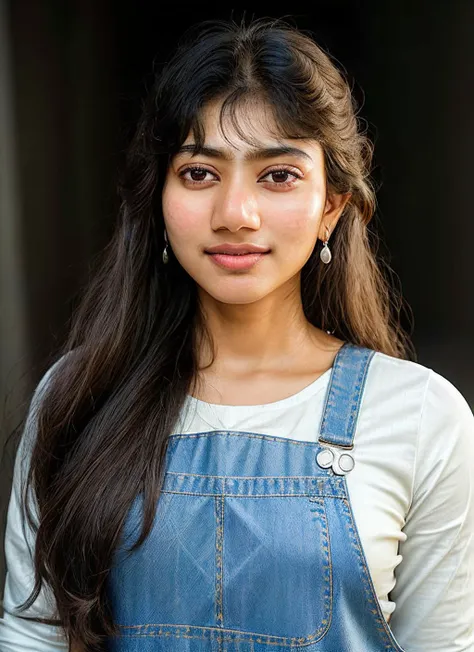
(434, 591)
(17, 635)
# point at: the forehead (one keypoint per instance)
(250, 125)
(254, 118)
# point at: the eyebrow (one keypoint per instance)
(257, 154)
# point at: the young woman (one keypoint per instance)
(234, 450)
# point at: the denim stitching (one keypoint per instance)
(328, 484)
(213, 635)
(246, 477)
(390, 644)
(356, 403)
(218, 503)
(190, 493)
(244, 433)
(222, 550)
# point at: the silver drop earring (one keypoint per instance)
(165, 250)
(325, 254)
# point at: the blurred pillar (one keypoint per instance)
(14, 352)
(59, 134)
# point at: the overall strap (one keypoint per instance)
(344, 395)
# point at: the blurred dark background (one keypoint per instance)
(72, 76)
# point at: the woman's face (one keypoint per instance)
(233, 194)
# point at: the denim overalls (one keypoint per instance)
(254, 546)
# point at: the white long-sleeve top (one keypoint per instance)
(411, 491)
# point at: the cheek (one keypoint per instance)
(183, 215)
(299, 222)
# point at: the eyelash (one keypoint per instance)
(278, 183)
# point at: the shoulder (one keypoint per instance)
(440, 410)
(39, 393)
(397, 372)
(395, 390)
(403, 377)
(55, 366)
(48, 376)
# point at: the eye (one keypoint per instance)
(283, 172)
(195, 171)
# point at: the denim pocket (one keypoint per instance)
(277, 573)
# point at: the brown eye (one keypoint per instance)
(280, 176)
(197, 175)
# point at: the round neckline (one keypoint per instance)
(293, 399)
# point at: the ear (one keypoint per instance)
(335, 204)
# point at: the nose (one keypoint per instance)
(235, 207)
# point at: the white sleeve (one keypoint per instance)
(434, 591)
(17, 635)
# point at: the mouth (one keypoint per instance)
(230, 249)
(237, 261)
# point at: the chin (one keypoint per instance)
(236, 296)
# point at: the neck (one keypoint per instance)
(266, 335)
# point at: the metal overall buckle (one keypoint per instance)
(341, 463)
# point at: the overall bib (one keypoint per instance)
(254, 547)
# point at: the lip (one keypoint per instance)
(237, 249)
(241, 262)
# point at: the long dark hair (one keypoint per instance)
(99, 433)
